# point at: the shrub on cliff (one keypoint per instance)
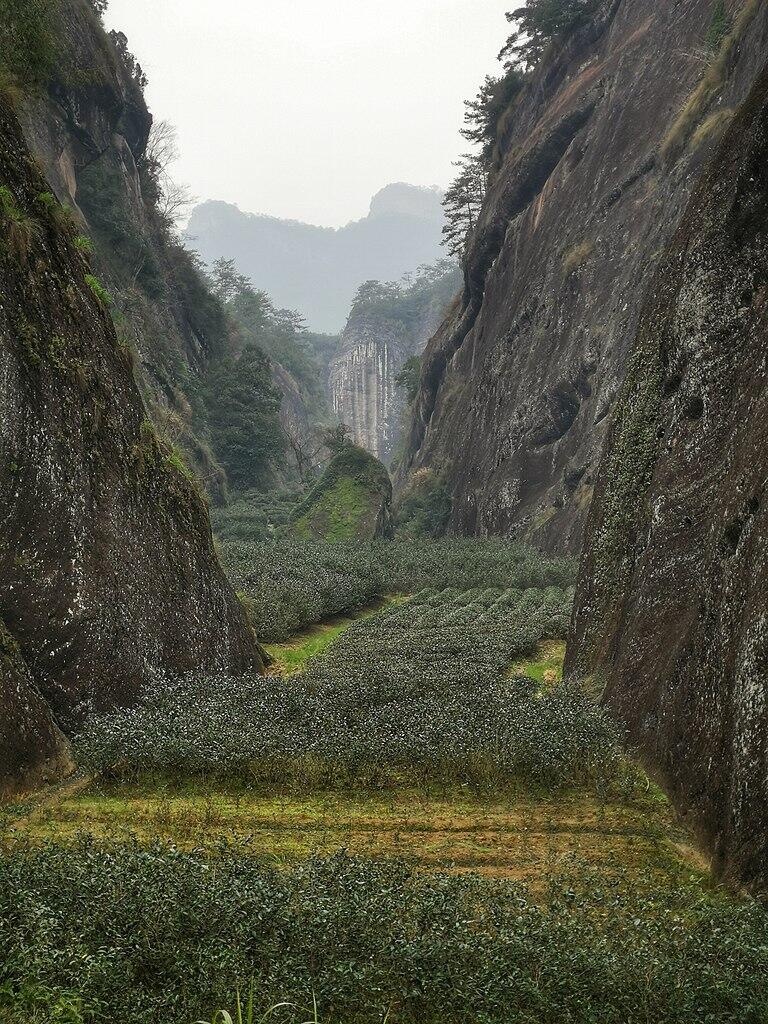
(424, 507)
(538, 24)
(29, 51)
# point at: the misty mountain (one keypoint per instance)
(317, 270)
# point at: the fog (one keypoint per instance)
(303, 108)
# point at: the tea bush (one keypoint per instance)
(291, 584)
(157, 934)
(415, 693)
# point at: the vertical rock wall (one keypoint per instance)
(672, 602)
(597, 157)
(107, 565)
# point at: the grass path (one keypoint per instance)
(291, 656)
(518, 835)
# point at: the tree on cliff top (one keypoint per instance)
(537, 24)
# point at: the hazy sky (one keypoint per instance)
(305, 108)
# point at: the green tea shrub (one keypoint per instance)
(159, 934)
(415, 693)
(293, 584)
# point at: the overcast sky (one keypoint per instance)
(306, 108)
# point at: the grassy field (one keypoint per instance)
(518, 836)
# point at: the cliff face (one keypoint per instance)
(89, 130)
(383, 332)
(372, 351)
(597, 157)
(671, 607)
(107, 567)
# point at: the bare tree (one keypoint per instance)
(173, 200)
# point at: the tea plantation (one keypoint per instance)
(420, 823)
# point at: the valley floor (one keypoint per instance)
(411, 819)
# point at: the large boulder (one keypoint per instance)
(351, 501)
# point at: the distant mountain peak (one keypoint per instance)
(317, 270)
(401, 199)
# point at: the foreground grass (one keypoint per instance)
(517, 835)
(546, 666)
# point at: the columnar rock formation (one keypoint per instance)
(380, 337)
(595, 161)
(672, 602)
(362, 380)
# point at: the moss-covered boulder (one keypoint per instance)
(351, 501)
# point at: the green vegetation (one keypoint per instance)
(29, 53)
(409, 299)
(244, 415)
(280, 333)
(99, 290)
(176, 459)
(132, 251)
(155, 933)
(255, 515)
(719, 27)
(424, 507)
(538, 24)
(292, 655)
(546, 665)
(348, 501)
(416, 693)
(83, 244)
(501, 858)
(517, 833)
(485, 114)
(408, 378)
(463, 202)
(291, 584)
(19, 229)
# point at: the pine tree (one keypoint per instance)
(463, 201)
(538, 24)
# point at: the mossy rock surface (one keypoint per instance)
(351, 501)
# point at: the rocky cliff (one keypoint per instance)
(388, 325)
(672, 606)
(107, 566)
(89, 128)
(595, 160)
